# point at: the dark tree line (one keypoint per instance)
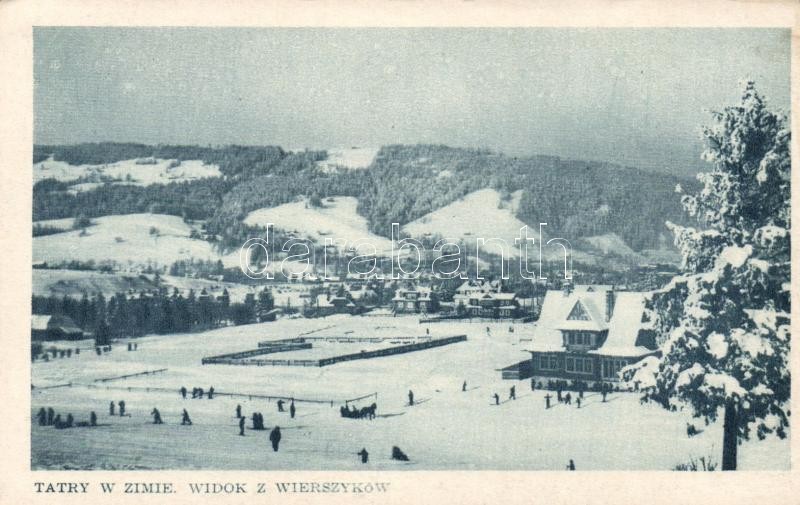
(153, 312)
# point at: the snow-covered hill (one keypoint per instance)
(337, 219)
(348, 157)
(128, 240)
(138, 172)
(482, 213)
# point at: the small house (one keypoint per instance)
(54, 327)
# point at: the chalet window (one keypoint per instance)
(571, 338)
(548, 363)
(570, 364)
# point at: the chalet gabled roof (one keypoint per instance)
(623, 326)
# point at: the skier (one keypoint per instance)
(496, 399)
(410, 398)
(280, 406)
(70, 420)
(200, 393)
(547, 400)
(122, 408)
(558, 391)
(512, 395)
(185, 419)
(156, 416)
(275, 438)
(464, 386)
(194, 393)
(568, 399)
(533, 385)
(111, 408)
(211, 392)
(241, 426)
(292, 410)
(183, 392)
(364, 455)
(92, 419)
(42, 417)
(571, 466)
(578, 402)
(238, 411)
(50, 416)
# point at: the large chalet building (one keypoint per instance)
(589, 333)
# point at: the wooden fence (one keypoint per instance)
(227, 359)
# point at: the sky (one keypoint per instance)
(636, 97)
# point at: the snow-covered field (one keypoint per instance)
(336, 220)
(447, 429)
(124, 172)
(127, 240)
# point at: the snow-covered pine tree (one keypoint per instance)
(723, 325)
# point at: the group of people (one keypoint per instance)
(185, 419)
(112, 409)
(292, 409)
(48, 417)
(197, 392)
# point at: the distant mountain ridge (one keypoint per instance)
(403, 183)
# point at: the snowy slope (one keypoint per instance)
(124, 172)
(478, 214)
(349, 157)
(337, 219)
(126, 240)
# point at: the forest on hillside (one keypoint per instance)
(405, 182)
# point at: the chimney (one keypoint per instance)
(610, 299)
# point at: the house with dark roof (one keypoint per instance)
(589, 333)
(413, 299)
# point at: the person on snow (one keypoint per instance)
(211, 392)
(275, 438)
(398, 454)
(364, 455)
(70, 420)
(410, 398)
(111, 408)
(496, 399)
(241, 426)
(238, 411)
(92, 419)
(122, 408)
(156, 416)
(464, 386)
(200, 393)
(51, 414)
(42, 417)
(280, 406)
(292, 410)
(183, 392)
(185, 419)
(512, 394)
